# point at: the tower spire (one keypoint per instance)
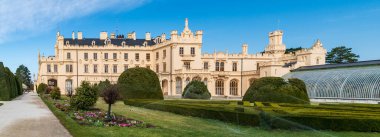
(186, 25)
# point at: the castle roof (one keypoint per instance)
(118, 42)
(344, 65)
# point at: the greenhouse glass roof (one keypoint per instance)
(348, 81)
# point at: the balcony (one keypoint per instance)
(187, 57)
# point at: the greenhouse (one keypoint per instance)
(353, 82)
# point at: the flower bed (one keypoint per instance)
(96, 117)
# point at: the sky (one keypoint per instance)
(27, 27)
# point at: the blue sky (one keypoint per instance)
(26, 27)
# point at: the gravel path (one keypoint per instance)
(28, 116)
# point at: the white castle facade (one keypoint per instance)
(177, 60)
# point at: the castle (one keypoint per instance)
(176, 60)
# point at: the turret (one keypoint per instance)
(73, 35)
(244, 49)
(275, 43)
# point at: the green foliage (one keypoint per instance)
(9, 85)
(24, 75)
(340, 55)
(111, 94)
(196, 90)
(140, 83)
(275, 89)
(55, 93)
(85, 97)
(289, 50)
(41, 89)
(102, 86)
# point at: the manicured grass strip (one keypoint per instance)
(173, 125)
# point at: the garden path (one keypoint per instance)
(28, 116)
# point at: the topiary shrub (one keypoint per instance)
(41, 89)
(102, 86)
(110, 96)
(85, 97)
(55, 93)
(275, 89)
(140, 83)
(196, 90)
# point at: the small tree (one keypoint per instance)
(41, 89)
(55, 93)
(103, 85)
(85, 97)
(110, 96)
(340, 55)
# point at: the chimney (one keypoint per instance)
(147, 36)
(134, 35)
(80, 36)
(73, 35)
(244, 49)
(112, 35)
(103, 35)
(163, 37)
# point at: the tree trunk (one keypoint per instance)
(109, 112)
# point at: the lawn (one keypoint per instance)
(169, 124)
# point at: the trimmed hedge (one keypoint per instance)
(196, 90)
(275, 89)
(9, 84)
(274, 115)
(140, 83)
(42, 87)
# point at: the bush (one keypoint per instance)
(275, 89)
(41, 89)
(140, 83)
(9, 84)
(85, 97)
(55, 93)
(196, 90)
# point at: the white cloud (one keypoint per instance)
(36, 16)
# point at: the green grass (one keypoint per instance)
(173, 125)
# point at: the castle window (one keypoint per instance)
(186, 65)
(148, 56)
(106, 56)
(234, 66)
(68, 55)
(85, 68)
(178, 85)
(95, 68)
(125, 56)
(219, 87)
(125, 67)
(205, 65)
(234, 87)
(157, 68)
(123, 43)
(115, 56)
(164, 67)
(48, 68)
(115, 68)
(86, 56)
(69, 68)
(137, 56)
(181, 51)
(105, 68)
(157, 55)
(192, 51)
(164, 54)
(95, 56)
(55, 68)
(93, 43)
(219, 66)
(67, 42)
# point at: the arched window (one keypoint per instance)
(234, 87)
(67, 42)
(317, 62)
(123, 43)
(178, 82)
(108, 41)
(69, 87)
(219, 87)
(93, 43)
(187, 81)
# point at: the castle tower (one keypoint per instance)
(275, 43)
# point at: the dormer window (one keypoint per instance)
(108, 41)
(67, 42)
(145, 43)
(93, 43)
(123, 43)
